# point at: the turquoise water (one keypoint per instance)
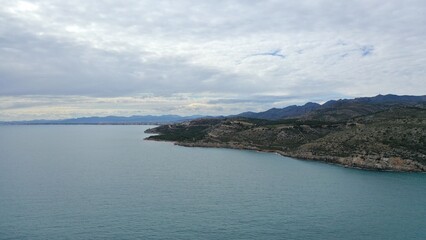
(106, 182)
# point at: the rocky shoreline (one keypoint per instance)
(363, 162)
(388, 140)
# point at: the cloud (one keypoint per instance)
(255, 99)
(228, 51)
(367, 50)
(274, 53)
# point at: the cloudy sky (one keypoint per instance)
(61, 59)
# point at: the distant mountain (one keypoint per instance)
(149, 119)
(344, 109)
(389, 99)
(281, 113)
(338, 109)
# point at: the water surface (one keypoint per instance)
(106, 182)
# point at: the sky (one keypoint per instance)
(66, 59)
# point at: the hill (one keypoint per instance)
(280, 113)
(339, 109)
(361, 133)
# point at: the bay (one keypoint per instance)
(106, 182)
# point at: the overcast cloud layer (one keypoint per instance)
(61, 59)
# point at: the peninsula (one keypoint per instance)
(386, 132)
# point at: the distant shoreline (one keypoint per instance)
(29, 124)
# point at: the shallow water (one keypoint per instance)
(106, 182)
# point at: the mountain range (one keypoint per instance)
(333, 109)
(148, 119)
(348, 107)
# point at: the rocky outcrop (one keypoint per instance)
(367, 162)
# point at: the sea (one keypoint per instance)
(107, 182)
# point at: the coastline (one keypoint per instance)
(368, 162)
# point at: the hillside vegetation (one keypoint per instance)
(378, 137)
